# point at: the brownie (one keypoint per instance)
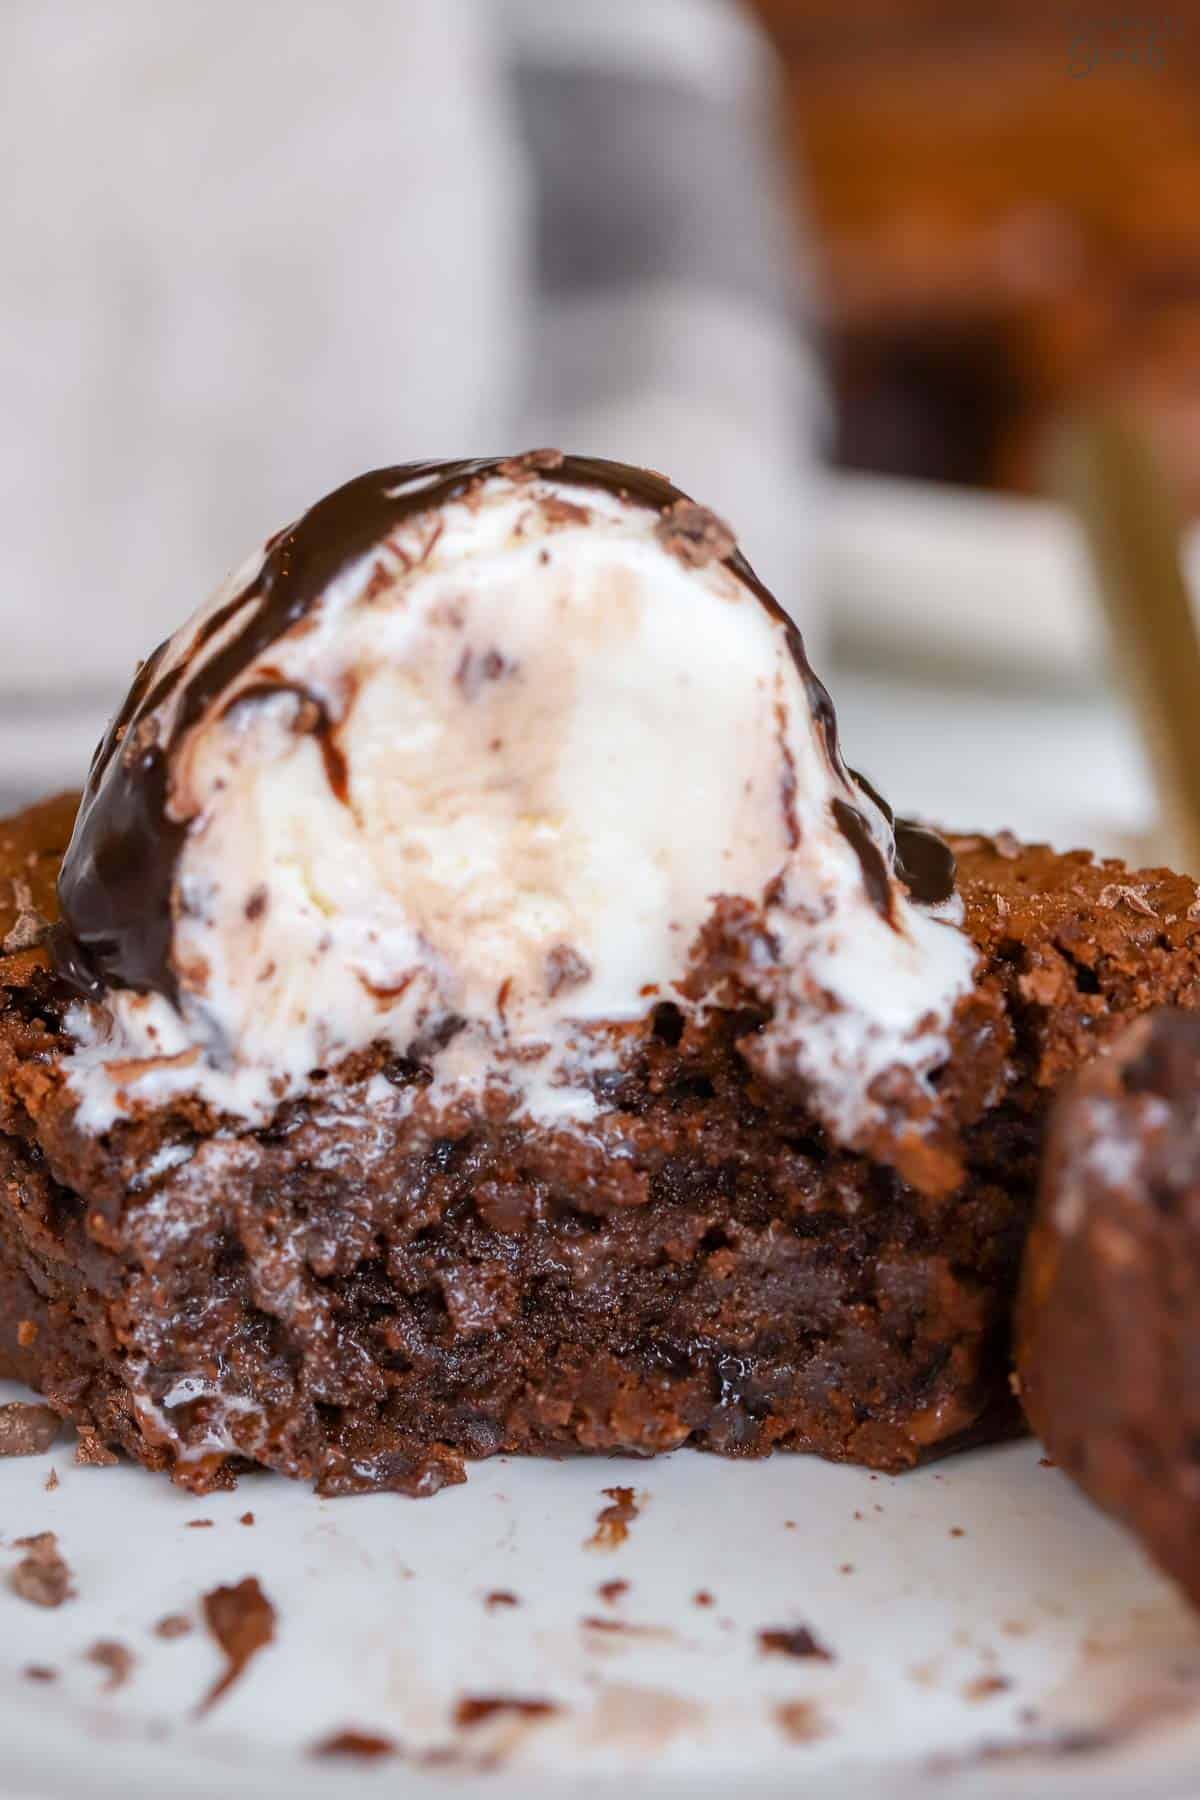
(338, 1299)
(1108, 1326)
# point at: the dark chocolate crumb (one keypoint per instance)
(500, 1597)
(51, 1481)
(796, 1640)
(242, 1620)
(198, 1524)
(695, 535)
(703, 1598)
(247, 1518)
(611, 1591)
(39, 1672)
(957, 1531)
(41, 1577)
(27, 1430)
(473, 1709)
(256, 905)
(362, 1745)
(115, 1659)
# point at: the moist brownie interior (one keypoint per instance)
(330, 1298)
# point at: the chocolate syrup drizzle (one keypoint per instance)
(116, 885)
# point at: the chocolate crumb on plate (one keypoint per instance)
(199, 1524)
(173, 1625)
(612, 1521)
(794, 1640)
(39, 1672)
(27, 1430)
(985, 1686)
(365, 1746)
(242, 1620)
(703, 1598)
(51, 1481)
(611, 1591)
(500, 1598)
(115, 1659)
(801, 1721)
(473, 1709)
(42, 1576)
(247, 1518)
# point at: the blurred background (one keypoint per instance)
(841, 268)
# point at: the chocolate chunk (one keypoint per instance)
(694, 534)
(115, 1659)
(41, 1577)
(27, 1430)
(242, 1620)
(793, 1640)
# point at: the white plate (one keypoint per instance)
(932, 1591)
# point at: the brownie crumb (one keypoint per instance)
(199, 1524)
(39, 1672)
(115, 1659)
(42, 1576)
(795, 1640)
(500, 1597)
(531, 463)
(247, 1518)
(557, 511)
(51, 1481)
(173, 1625)
(30, 926)
(703, 1598)
(612, 1522)
(27, 1430)
(1117, 893)
(90, 1453)
(957, 1531)
(473, 1709)
(801, 1721)
(242, 1620)
(611, 1591)
(363, 1745)
(695, 535)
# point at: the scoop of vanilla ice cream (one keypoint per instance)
(476, 801)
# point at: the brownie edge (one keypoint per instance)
(342, 1299)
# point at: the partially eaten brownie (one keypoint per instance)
(477, 1010)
